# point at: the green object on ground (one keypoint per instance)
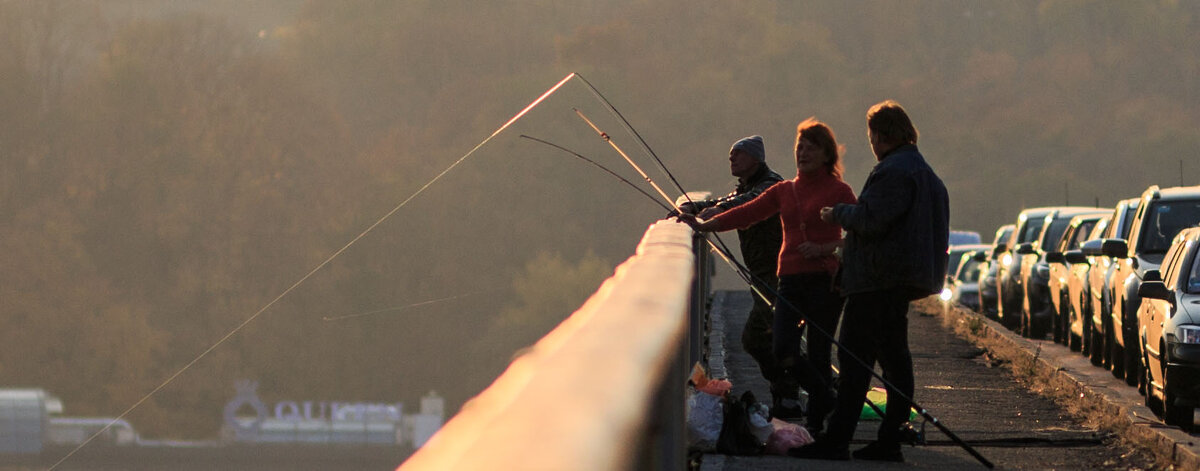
(879, 397)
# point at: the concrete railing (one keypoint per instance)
(605, 389)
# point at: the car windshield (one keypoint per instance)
(1081, 235)
(1002, 235)
(1163, 221)
(1054, 233)
(1033, 227)
(1126, 222)
(969, 271)
(1193, 279)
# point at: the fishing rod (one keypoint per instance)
(747, 274)
(921, 410)
(629, 127)
(604, 135)
(608, 139)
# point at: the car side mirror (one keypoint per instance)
(1115, 248)
(1000, 249)
(1025, 249)
(1055, 257)
(1092, 247)
(1075, 257)
(1152, 275)
(980, 256)
(1155, 290)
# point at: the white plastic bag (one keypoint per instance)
(760, 422)
(704, 418)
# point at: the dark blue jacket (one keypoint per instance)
(897, 233)
(759, 242)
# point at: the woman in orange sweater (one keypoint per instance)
(807, 262)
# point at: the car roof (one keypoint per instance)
(1101, 214)
(1177, 192)
(1072, 211)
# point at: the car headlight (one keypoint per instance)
(1187, 334)
(947, 294)
(1006, 259)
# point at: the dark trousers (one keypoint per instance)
(757, 333)
(808, 299)
(874, 328)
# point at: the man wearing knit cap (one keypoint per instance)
(760, 251)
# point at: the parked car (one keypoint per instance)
(964, 238)
(988, 298)
(962, 284)
(1060, 271)
(1169, 314)
(1034, 275)
(1100, 277)
(1079, 308)
(1159, 218)
(1009, 291)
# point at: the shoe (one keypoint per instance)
(880, 451)
(821, 450)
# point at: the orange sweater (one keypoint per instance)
(798, 202)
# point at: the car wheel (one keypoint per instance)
(1173, 414)
(1133, 364)
(1096, 347)
(1116, 359)
(1084, 342)
(1153, 402)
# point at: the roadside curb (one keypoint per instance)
(1092, 391)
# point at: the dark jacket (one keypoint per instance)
(898, 232)
(760, 242)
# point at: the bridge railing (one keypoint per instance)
(605, 389)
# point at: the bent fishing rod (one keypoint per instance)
(747, 274)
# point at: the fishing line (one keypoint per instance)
(629, 127)
(746, 274)
(315, 270)
(407, 306)
(593, 162)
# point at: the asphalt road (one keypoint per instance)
(971, 390)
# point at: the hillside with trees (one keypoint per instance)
(170, 168)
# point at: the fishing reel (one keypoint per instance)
(912, 435)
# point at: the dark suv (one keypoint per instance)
(1034, 274)
(1100, 274)
(1159, 218)
(1170, 320)
(1066, 275)
(1009, 291)
(988, 298)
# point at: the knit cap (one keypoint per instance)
(752, 145)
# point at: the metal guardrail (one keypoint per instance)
(605, 389)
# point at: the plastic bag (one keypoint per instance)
(700, 379)
(704, 419)
(786, 435)
(760, 421)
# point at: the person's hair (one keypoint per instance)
(888, 121)
(820, 134)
